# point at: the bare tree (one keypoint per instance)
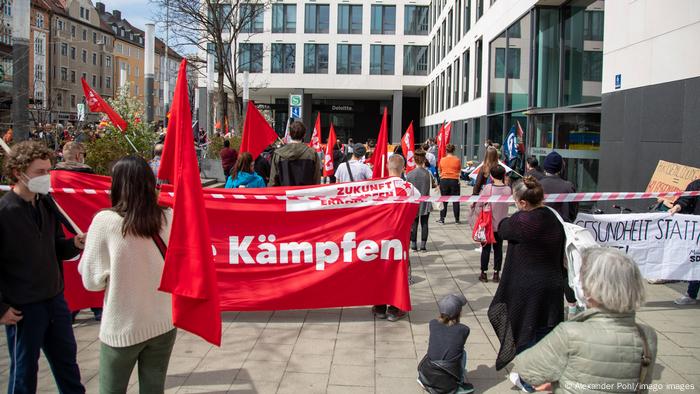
(214, 27)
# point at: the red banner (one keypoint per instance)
(290, 254)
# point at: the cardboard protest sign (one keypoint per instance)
(672, 177)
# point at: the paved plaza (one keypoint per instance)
(347, 351)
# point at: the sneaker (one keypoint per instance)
(414, 246)
(441, 221)
(685, 300)
(465, 388)
(515, 379)
(378, 313)
(483, 278)
(496, 277)
(423, 247)
(396, 315)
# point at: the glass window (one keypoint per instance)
(448, 90)
(513, 63)
(416, 20)
(108, 61)
(349, 19)
(455, 91)
(467, 15)
(349, 59)
(479, 9)
(72, 53)
(94, 58)
(518, 64)
(250, 58)
(72, 76)
(383, 19)
(443, 37)
(497, 83)
(84, 56)
(212, 51)
(64, 49)
(283, 58)
(316, 18)
(593, 25)
(251, 18)
(94, 80)
(381, 60)
(415, 60)
(449, 31)
(316, 58)
(547, 58)
(108, 82)
(284, 18)
(465, 76)
(577, 89)
(479, 65)
(592, 66)
(84, 35)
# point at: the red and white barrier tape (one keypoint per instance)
(570, 197)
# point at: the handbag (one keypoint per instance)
(483, 228)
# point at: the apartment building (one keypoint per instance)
(38, 60)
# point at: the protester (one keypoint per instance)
(499, 211)
(124, 256)
(602, 345)
(553, 183)
(528, 302)
(689, 205)
(396, 165)
(32, 247)
(432, 160)
(74, 158)
(244, 174)
(442, 369)
(354, 169)
(449, 169)
(432, 147)
(262, 163)
(229, 156)
(295, 164)
(421, 179)
(483, 177)
(532, 168)
(155, 162)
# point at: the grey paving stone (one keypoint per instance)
(317, 363)
(351, 375)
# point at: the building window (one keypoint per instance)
(416, 20)
(72, 76)
(72, 101)
(455, 78)
(316, 18)
(381, 61)
(39, 72)
(59, 99)
(72, 31)
(94, 38)
(64, 49)
(284, 18)
(593, 25)
(72, 53)
(212, 51)
(316, 58)
(82, 12)
(250, 58)
(283, 58)
(349, 19)
(64, 74)
(479, 9)
(39, 20)
(108, 82)
(465, 76)
(84, 76)
(39, 46)
(94, 80)
(251, 18)
(415, 60)
(513, 63)
(108, 61)
(349, 59)
(84, 35)
(443, 39)
(136, 89)
(94, 58)
(84, 56)
(383, 19)
(479, 65)
(592, 66)
(467, 16)
(449, 31)
(60, 25)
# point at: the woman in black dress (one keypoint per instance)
(529, 301)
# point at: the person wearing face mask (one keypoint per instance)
(32, 245)
(528, 302)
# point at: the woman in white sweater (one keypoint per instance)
(122, 257)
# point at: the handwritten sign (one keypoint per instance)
(662, 245)
(672, 177)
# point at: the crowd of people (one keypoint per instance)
(528, 312)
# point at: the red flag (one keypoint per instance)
(443, 140)
(257, 133)
(328, 157)
(315, 142)
(408, 147)
(380, 167)
(521, 138)
(97, 104)
(189, 272)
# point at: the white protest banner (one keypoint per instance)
(663, 246)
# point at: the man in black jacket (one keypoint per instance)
(32, 246)
(295, 164)
(691, 206)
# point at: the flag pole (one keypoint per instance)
(131, 143)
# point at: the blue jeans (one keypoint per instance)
(693, 288)
(44, 326)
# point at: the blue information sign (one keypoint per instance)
(296, 112)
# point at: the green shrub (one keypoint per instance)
(217, 143)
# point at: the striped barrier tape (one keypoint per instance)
(568, 197)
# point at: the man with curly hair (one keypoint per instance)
(32, 246)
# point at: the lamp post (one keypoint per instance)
(149, 69)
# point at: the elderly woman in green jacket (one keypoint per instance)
(602, 349)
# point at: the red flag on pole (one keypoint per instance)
(96, 103)
(408, 148)
(189, 272)
(380, 167)
(444, 139)
(315, 142)
(328, 157)
(257, 133)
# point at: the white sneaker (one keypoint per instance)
(685, 300)
(515, 379)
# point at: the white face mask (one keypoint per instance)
(39, 184)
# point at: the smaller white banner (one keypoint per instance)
(663, 246)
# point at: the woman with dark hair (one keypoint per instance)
(490, 161)
(124, 257)
(449, 169)
(499, 211)
(244, 174)
(528, 303)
